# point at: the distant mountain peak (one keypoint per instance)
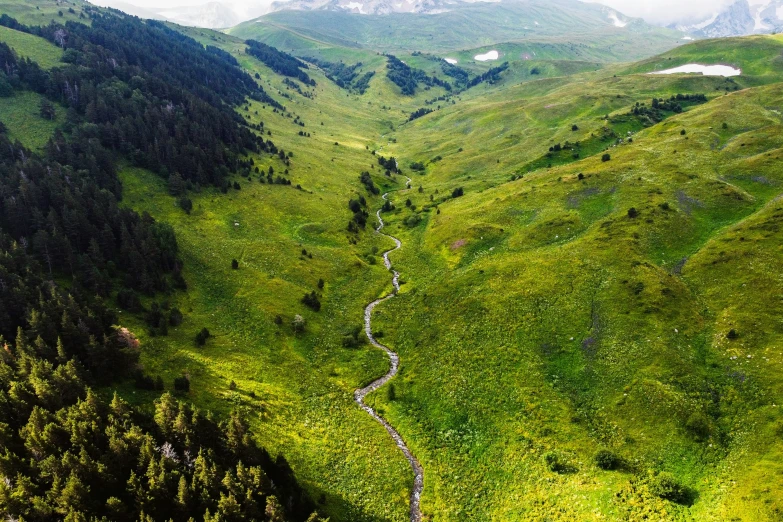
(368, 7)
(739, 19)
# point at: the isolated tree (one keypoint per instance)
(202, 336)
(185, 204)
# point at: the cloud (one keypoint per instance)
(668, 11)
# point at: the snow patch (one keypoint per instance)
(491, 55)
(706, 70)
(686, 38)
(355, 5)
(452, 61)
(617, 22)
(536, 23)
(779, 12)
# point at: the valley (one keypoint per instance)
(571, 264)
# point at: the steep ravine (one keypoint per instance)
(360, 394)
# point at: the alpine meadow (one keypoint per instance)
(517, 260)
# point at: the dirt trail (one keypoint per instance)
(359, 395)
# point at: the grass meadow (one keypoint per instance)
(629, 306)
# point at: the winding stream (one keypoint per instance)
(360, 394)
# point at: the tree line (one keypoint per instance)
(278, 61)
(345, 76)
(66, 246)
(408, 78)
(148, 92)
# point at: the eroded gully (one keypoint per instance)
(360, 394)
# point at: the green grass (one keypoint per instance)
(46, 54)
(758, 57)
(21, 114)
(43, 12)
(566, 30)
(536, 315)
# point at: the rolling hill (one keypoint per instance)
(588, 316)
(467, 26)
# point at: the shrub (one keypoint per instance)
(391, 393)
(412, 221)
(278, 320)
(321, 284)
(666, 486)
(606, 157)
(311, 301)
(182, 384)
(299, 323)
(633, 213)
(352, 339)
(732, 335)
(698, 425)
(234, 264)
(185, 204)
(574, 127)
(175, 317)
(202, 336)
(607, 460)
(457, 192)
(682, 132)
(557, 463)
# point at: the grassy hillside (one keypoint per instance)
(42, 12)
(566, 30)
(21, 114)
(759, 57)
(541, 318)
(33, 47)
(626, 308)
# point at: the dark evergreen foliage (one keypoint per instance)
(345, 76)
(491, 76)
(407, 78)
(149, 92)
(366, 180)
(459, 74)
(389, 164)
(311, 301)
(418, 113)
(278, 61)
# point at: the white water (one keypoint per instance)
(706, 70)
(491, 55)
(359, 395)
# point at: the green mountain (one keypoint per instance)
(587, 315)
(578, 29)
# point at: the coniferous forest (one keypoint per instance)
(141, 93)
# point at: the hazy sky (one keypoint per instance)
(656, 11)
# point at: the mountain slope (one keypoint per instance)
(470, 25)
